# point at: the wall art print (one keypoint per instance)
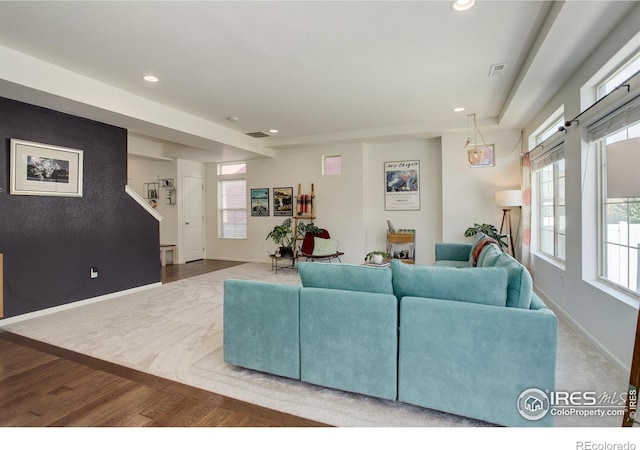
(42, 169)
(260, 202)
(402, 190)
(283, 201)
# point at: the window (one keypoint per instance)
(332, 165)
(619, 77)
(619, 174)
(232, 201)
(548, 182)
(551, 215)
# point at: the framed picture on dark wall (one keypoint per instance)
(42, 169)
(260, 202)
(402, 188)
(283, 201)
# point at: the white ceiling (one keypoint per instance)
(317, 71)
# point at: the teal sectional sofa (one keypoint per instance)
(460, 339)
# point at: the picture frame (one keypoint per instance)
(488, 159)
(43, 169)
(402, 185)
(283, 201)
(260, 202)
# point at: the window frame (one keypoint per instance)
(547, 135)
(239, 175)
(604, 243)
(558, 228)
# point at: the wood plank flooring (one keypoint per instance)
(46, 386)
(42, 385)
(175, 272)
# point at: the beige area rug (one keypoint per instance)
(175, 331)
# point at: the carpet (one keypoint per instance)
(175, 331)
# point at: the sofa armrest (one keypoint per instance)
(261, 326)
(453, 251)
(475, 360)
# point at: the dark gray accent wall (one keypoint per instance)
(50, 243)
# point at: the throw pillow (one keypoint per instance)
(487, 286)
(480, 236)
(347, 277)
(324, 247)
(520, 288)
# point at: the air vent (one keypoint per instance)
(496, 70)
(258, 134)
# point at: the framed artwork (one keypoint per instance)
(483, 156)
(283, 201)
(260, 202)
(402, 189)
(41, 169)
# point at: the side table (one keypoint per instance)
(290, 262)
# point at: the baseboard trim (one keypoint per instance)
(580, 329)
(88, 301)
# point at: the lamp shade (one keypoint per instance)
(512, 197)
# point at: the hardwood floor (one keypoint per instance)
(46, 386)
(42, 385)
(175, 272)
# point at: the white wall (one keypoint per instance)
(338, 203)
(427, 221)
(468, 194)
(350, 206)
(605, 315)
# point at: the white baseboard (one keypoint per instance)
(55, 309)
(580, 329)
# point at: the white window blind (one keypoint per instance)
(622, 117)
(548, 152)
(232, 208)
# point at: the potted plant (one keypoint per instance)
(303, 229)
(283, 236)
(490, 231)
(377, 257)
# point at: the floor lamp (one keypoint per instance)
(507, 200)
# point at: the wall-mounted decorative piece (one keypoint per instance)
(402, 190)
(260, 202)
(481, 156)
(283, 201)
(41, 169)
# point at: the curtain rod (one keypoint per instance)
(625, 83)
(568, 123)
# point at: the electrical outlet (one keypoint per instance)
(94, 272)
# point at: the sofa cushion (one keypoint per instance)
(324, 247)
(520, 288)
(482, 285)
(347, 277)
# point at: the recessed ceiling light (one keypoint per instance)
(463, 5)
(273, 131)
(151, 78)
(458, 109)
(233, 118)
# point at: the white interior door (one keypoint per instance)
(193, 226)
